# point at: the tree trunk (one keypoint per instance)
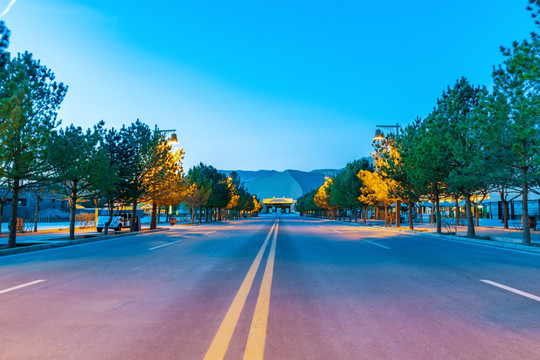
(470, 220)
(132, 225)
(438, 214)
(192, 214)
(409, 215)
(72, 208)
(153, 221)
(398, 213)
(1, 215)
(525, 209)
(364, 214)
(457, 211)
(200, 211)
(37, 212)
(477, 215)
(505, 209)
(12, 242)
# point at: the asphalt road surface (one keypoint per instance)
(274, 288)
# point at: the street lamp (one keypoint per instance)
(172, 139)
(379, 135)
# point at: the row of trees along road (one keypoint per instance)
(473, 142)
(106, 167)
(215, 195)
(337, 196)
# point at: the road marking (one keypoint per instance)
(515, 291)
(320, 226)
(122, 304)
(160, 246)
(371, 242)
(221, 341)
(20, 286)
(230, 226)
(210, 232)
(257, 332)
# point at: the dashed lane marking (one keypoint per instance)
(21, 286)
(374, 243)
(160, 246)
(515, 291)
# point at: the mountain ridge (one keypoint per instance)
(289, 183)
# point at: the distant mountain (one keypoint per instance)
(288, 183)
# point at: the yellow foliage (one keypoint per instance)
(257, 206)
(322, 197)
(165, 181)
(375, 189)
(196, 195)
(234, 197)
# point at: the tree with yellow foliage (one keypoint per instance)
(388, 166)
(164, 181)
(257, 206)
(376, 191)
(196, 195)
(322, 198)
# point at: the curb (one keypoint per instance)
(61, 243)
(494, 241)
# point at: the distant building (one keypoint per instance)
(274, 204)
(28, 204)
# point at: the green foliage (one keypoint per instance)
(516, 97)
(29, 100)
(77, 162)
(346, 187)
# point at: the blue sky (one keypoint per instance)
(263, 85)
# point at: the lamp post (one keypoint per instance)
(379, 135)
(172, 139)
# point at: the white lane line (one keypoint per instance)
(320, 226)
(160, 246)
(373, 243)
(210, 232)
(122, 304)
(336, 231)
(230, 226)
(515, 291)
(20, 286)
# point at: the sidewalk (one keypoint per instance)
(56, 234)
(488, 234)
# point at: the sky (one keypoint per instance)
(263, 85)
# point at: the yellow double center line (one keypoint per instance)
(257, 332)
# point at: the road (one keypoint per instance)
(274, 287)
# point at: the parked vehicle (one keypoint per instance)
(119, 221)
